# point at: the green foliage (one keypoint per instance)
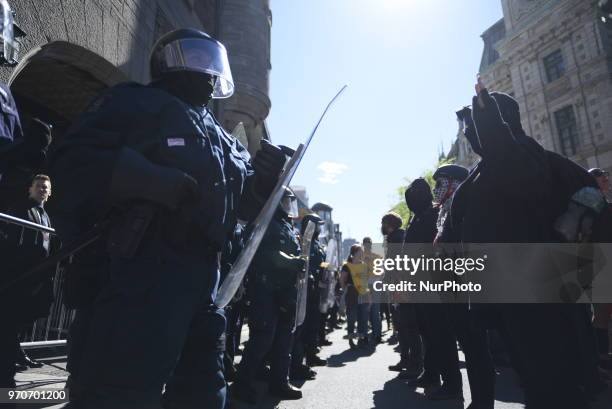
(400, 207)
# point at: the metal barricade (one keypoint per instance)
(51, 330)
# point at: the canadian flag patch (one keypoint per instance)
(176, 142)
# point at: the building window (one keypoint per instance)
(554, 66)
(567, 129)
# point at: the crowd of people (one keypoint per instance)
(171, 198)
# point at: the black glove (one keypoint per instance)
(287, 150)
(135, 177)
(268, 164)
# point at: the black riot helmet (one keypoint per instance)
(418, 196)
(193, 52)
(314, 218)
(288, 203)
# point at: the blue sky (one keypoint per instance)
(409, 65)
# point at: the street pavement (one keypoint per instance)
(355, 379)
(361, 380)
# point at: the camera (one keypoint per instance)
(463, 113)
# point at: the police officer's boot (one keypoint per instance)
(285, 392)
(313, 360)
(243, 392)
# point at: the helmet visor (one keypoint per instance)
(289, 206)
(202, 55)
(10, 47)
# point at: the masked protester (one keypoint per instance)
(404, 317)
(170, 182)
(305, 338)
(463, 325)
(273, 296)
(435, 323)
(504, 200)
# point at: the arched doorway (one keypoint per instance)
(56, 81)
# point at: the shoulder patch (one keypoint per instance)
(176, 142)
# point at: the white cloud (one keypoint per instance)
(331, 171)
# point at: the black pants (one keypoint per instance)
(385, 313)
(472, 336)
(411, 348)
(441, 357)
(545, 342)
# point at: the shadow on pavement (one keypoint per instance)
(397, 395)
(350, 355)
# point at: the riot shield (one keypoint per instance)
(235, 276)
(328, 293)
(302, 278)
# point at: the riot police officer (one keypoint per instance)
(273, 295)
(312, 322)
(302, 341)
(153, 161)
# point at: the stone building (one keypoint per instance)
(75, 48)
(555, 58)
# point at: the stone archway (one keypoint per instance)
(56, 81)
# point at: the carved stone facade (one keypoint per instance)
(554, 57)
(75, 48)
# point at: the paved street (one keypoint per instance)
(361, 380)
(352, 379)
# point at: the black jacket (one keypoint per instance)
(21, 249)
(422, 227)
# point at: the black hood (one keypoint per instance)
(510, 111)
(418, 196)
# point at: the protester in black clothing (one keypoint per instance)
(411, 351)
(22, 248)
(505, 200)
(435, 325)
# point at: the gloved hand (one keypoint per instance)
(268, 164)
(135, 177)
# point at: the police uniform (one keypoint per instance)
(130, 335)
(310, 331)
(272, 293)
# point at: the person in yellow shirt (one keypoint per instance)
(354, 281)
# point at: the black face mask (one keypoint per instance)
(193, 88)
